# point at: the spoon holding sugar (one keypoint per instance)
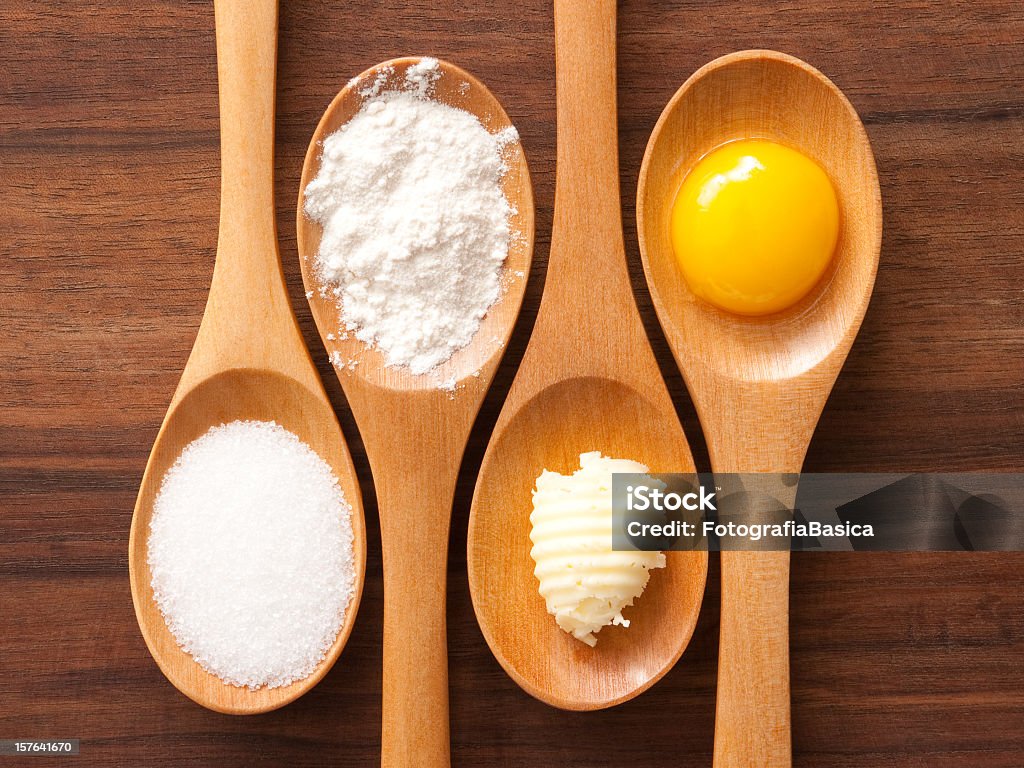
(249, 362)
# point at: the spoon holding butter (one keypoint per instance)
(588, 383)
(760, 380)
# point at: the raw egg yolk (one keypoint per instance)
(754, 226)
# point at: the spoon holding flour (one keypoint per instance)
(415, 279)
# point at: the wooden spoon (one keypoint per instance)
(415, 434)
(759, 384)
(249, 360)
(588, 381)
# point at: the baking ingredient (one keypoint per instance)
(415, 222)
(251, 556)
(754, 226)
(585, 584)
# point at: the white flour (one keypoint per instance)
(415, 224)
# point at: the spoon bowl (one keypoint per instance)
(759, 384)
(588, 382)
(456, 88)
(249, 361)
(239, 394)
(415, 427)
(762, 94)
(550, 431)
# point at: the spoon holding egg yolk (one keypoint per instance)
(754, 226)
(761, 293)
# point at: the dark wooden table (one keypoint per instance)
(108, 208)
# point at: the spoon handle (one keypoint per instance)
(414, 541)
(248, 321)
(588, 301)
(415, 452)
(246, 71)
(752, 718)
(752, 715)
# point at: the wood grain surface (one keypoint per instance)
(108, 219)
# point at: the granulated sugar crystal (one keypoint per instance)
(250, 550)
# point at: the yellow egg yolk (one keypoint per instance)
(754, 226)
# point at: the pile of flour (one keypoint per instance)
(415, 223)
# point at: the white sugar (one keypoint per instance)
(250, 550)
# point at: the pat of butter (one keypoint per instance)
(584, 582)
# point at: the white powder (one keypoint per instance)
(415, 223)
(250, 550)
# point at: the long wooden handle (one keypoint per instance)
(588, 300)
(415, 548)
(587, 266)
(248, 321)
(415, 444)
(752, 718)
(248, 274)
(246, 71)
(752, 727)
